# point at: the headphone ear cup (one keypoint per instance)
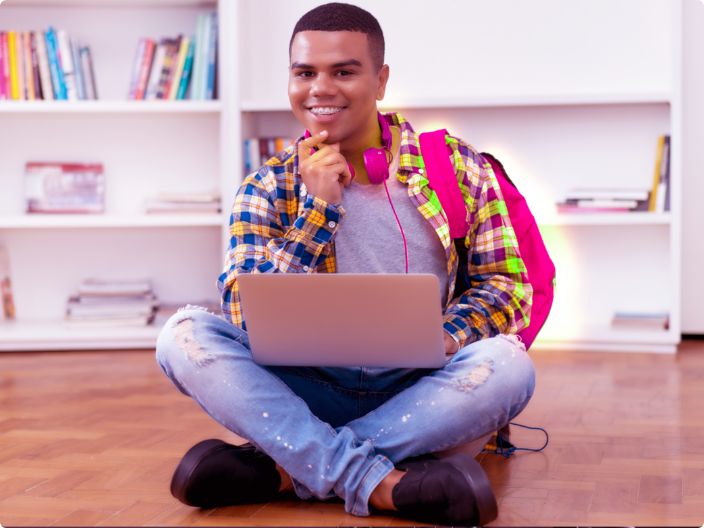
(376, 165)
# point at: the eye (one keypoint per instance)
(344, 73)
(305, 74)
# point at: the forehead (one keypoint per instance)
(322, 48)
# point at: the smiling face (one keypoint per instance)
(333, 86)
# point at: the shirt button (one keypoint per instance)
(303, 192)
(331, 224)
(421, 171)
(305, 268)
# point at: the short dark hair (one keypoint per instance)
(337, 16)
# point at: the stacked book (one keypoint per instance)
(258, 150)
(111, 303)
(599, 200)
(7, 304)
(641, 321)
(179, 67)
(178, 203)
(64, 187)
(45, 65)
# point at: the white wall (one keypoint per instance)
(543, 47)
(693, 169)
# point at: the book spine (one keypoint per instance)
(656, 178)
(137, 67)
(88, 75)
(35, 65)
(145, 69)
(187, 70)
(54, 66)
(662, 186)
(3, 92)
(203, 75)
(175, 80)
(169, 55)
(155, 74)
(78, 70)
(13, 64)
(255, 157)
(212, 57)
(6, 66)
(67, 65)
(198, 59)
(19, 60)
(667, 176)
(28, 70)
(173, 66)
(44, 71)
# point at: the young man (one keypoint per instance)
(350, 432)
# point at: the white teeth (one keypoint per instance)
(327, 110)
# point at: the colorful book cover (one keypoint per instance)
(155, 73)
(44, 71)
(664, 171)
(6, 65)
(7, 304)
(19, 60)
(137, 67)
(13, 64)
(35, 66)
(656, 177)
(54, 66)
(67, 65)
(28, 70)
(175, 80)
(212, 57)
(187, 70)
(145, 69)
(171, 47)
(64, 188)
(77, 69)
(3, 92)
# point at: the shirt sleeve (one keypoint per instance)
(499, 298)
(261, 243)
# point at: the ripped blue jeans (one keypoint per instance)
(339, 431)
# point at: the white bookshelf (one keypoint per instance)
(563, 109)
(146, 147)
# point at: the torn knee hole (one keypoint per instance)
(183, 335)
(474, 379)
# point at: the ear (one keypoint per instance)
(382, 79)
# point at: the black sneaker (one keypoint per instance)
(214, 473)
(453, 491)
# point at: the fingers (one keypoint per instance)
(307, 144)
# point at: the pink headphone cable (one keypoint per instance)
(405, 246)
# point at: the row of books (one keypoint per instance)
(45, 65)
(258, 150)
(614, 200)
(111, 303)
(164, 70)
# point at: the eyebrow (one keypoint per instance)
(303, 66)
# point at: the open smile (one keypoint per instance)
(325, 113)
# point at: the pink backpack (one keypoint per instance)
(541, 270)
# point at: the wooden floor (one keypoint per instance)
(92, 438)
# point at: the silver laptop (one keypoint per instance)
(344, 320)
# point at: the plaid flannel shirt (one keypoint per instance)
(277, 227)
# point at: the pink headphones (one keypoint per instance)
(376, 163)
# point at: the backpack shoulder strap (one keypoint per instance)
(442, 179)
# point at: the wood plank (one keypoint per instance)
(657, 489)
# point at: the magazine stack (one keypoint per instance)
(189, 203)
(112, 303)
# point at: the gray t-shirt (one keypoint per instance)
(368, 239)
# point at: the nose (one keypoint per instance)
(323, 86)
